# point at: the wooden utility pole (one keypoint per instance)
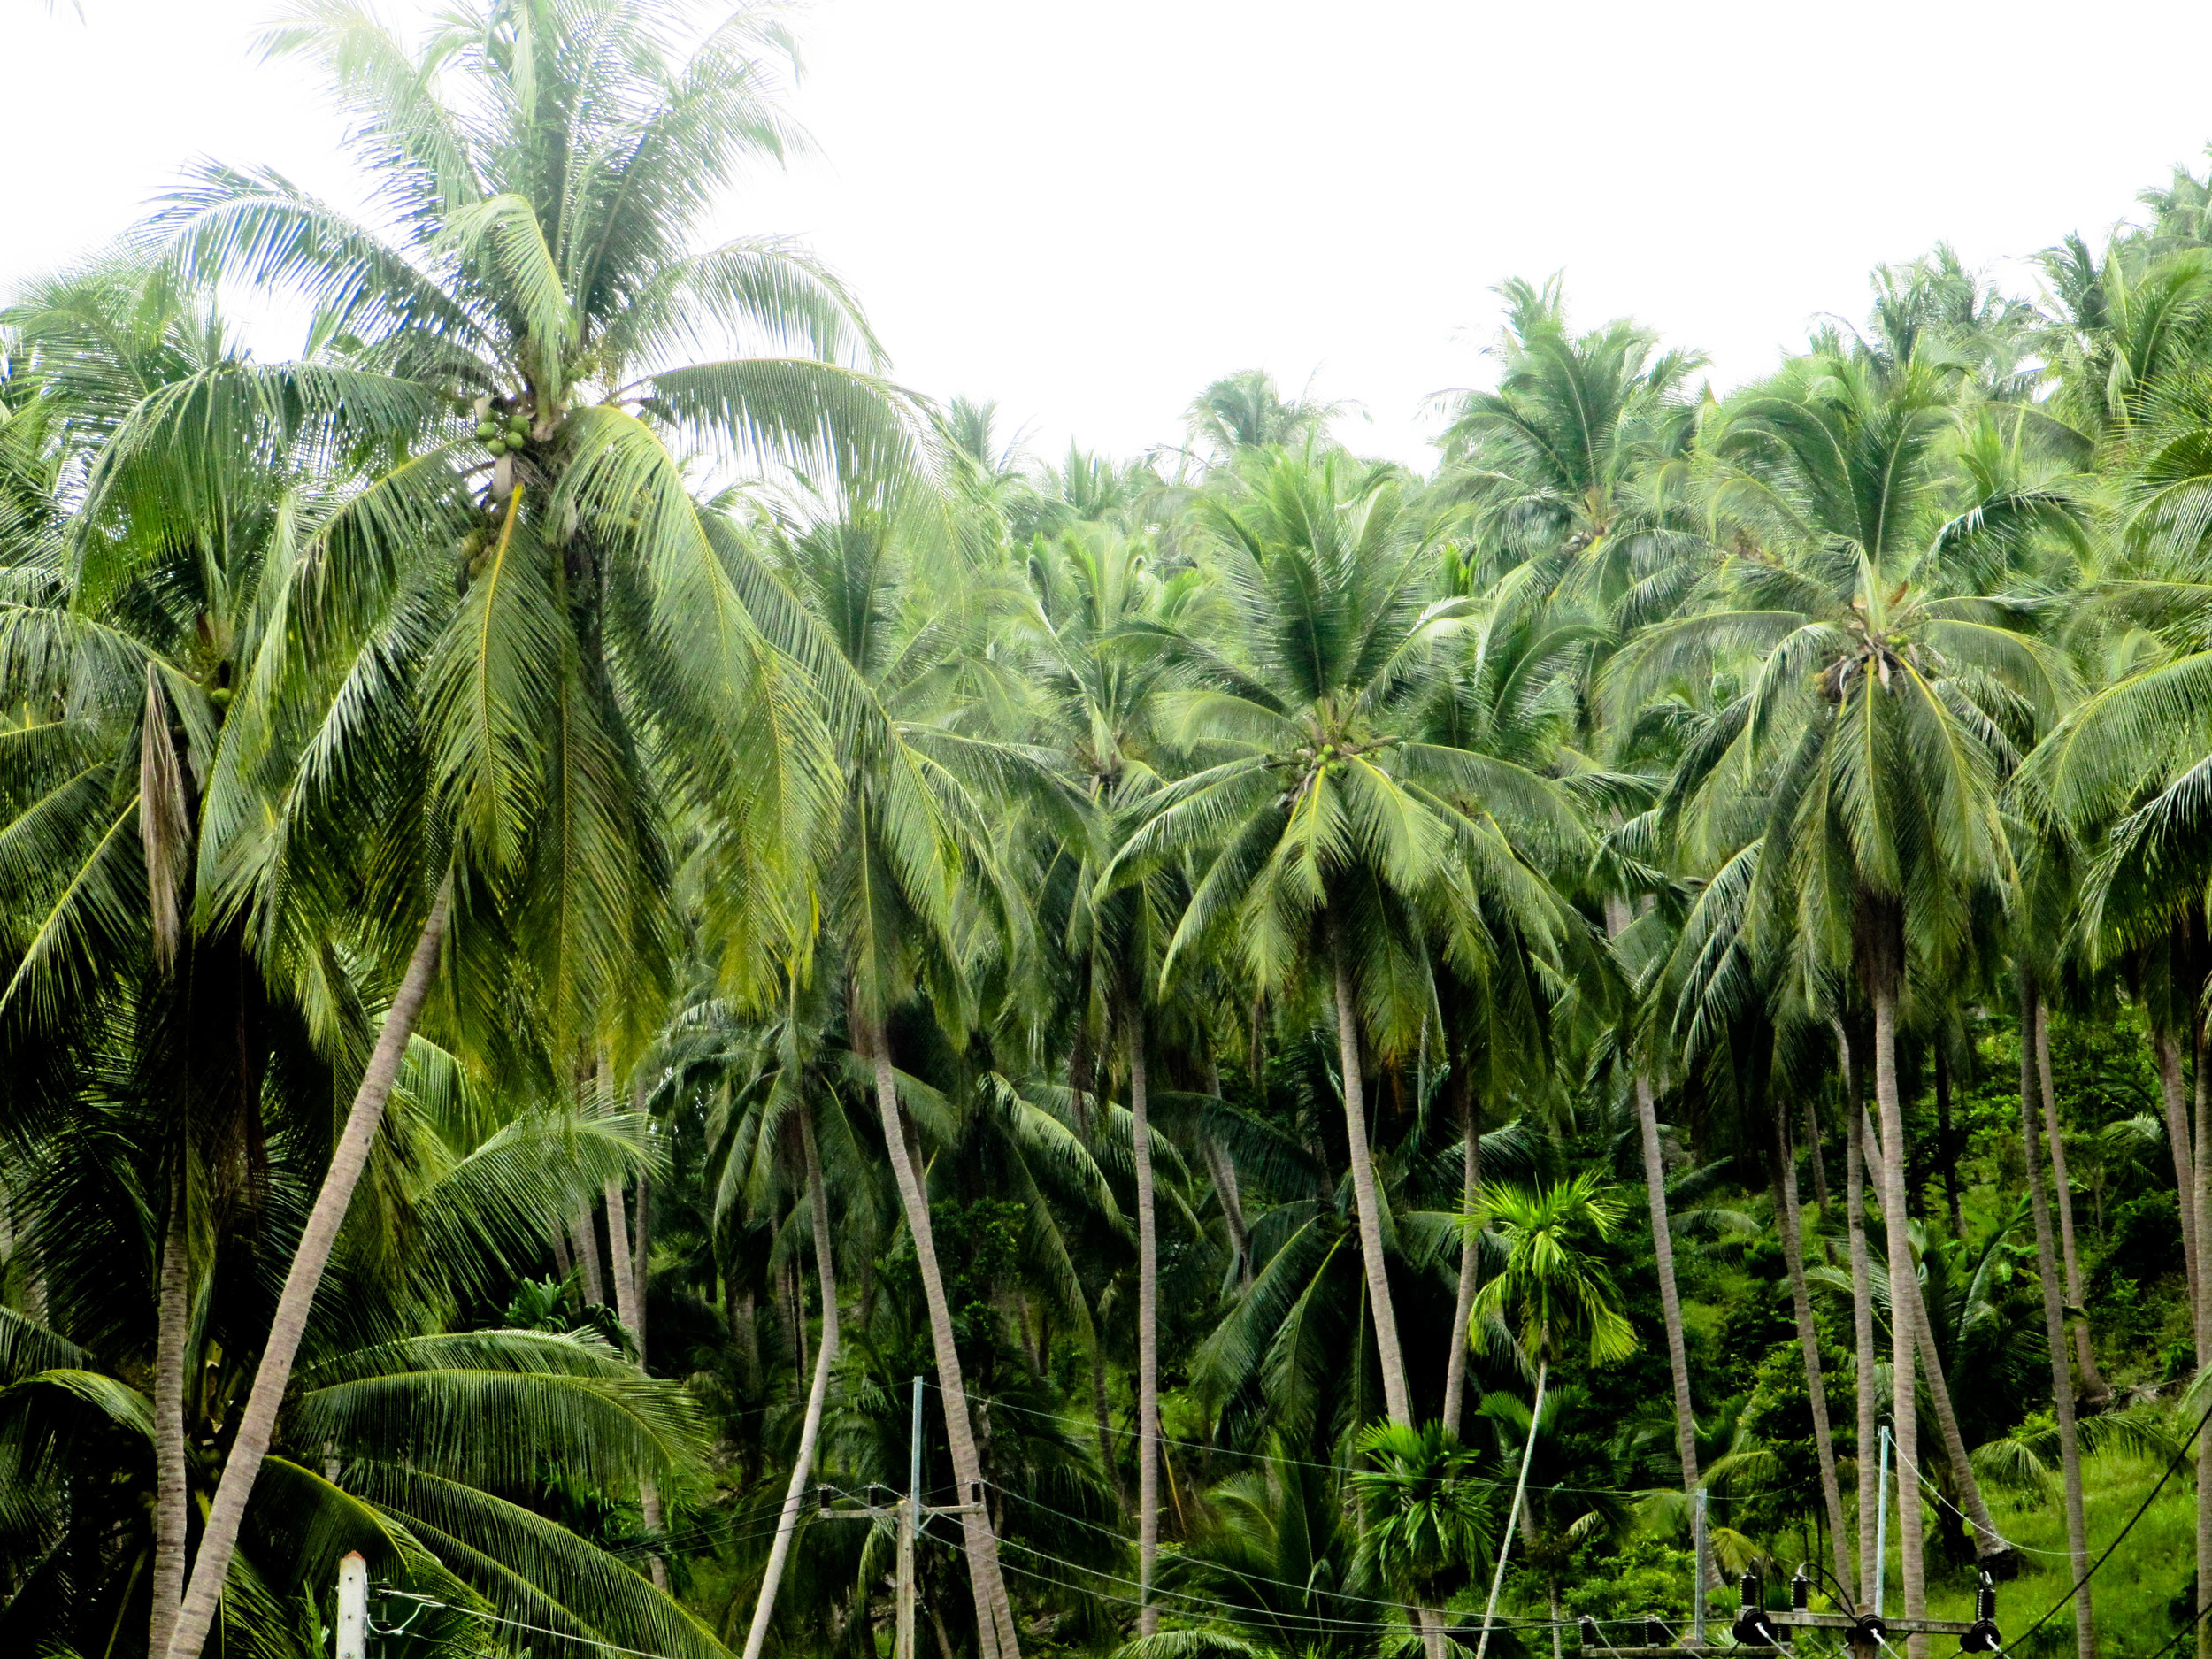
(908, 1514)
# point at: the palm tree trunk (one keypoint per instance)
(1396, 1399)
(994, 1612)
(1904, 1402)
(2202, 1170)
(1991, 1550)
(1432, 1622)
(2094, 1386)
(1520, 1489)
(1223, 1170)
(171, 1486)
(649, 1497)
(1148, 1336)
(1861, 1322)
(586, 1232)
(1785, 1210)
(1469, 1250)
(2169, 1055)
(618, 1257)
(818, 1391)
(256, 1425)
(2055, 1336)
(1948, 1145)
(1617, 920)
(1812, 1147)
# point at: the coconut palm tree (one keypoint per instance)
(1554, 1292)
(1884, 823)
(545, 168)
(1332, 840)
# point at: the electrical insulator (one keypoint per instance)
(1588, 1626)
(1654, 1632)
(1752, 1628)
(822, 1499)
(1981, 1636)
(1800, 1591)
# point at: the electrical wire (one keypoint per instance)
(2180, 1456)
(598, 1642)
(1972, 1526)
(1208, 1448)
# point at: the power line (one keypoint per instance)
(2179, 1457)
(1271, 1457)
(599, 1642)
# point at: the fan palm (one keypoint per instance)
(1332, 838)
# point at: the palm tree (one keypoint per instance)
(1884, 818)
(1244, 411)
(1424, 1519)
(1555, 1291)
(1565, 464)
(1330, 838)
(557, 313)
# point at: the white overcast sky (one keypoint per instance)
(1086, 211)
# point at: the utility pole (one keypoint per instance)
(353, 1606)
(1697, 1574)
(908, 1514)
(1881, 1522)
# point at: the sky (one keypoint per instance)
(1089, 210)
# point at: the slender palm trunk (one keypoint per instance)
(1904, 1402)
(2202, 1204)
(650, 1498)
(994, 1612)
(818, 1391)
(586, 1232)
(1785, 1209)
(618, 1257)
(256, 1425)
(1949, 1145)
(1520, 1490)
(1470, 1251)
(1223, 1170)
(1990, 1548)
(1396, 1399)
(2168, 1052)
(1862, 1325)
(171, 1489)
(1148, 1336)
(2055, 1336)
(2094, 1386)
(1617, 920)
(1812, 1148)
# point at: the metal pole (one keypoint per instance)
(353, 1606)
(910, 1524)
(1881, 1522)
(1697, 1577)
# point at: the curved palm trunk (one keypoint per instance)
(2202, 1170)
(1223, 1170)
(1904, 1403)
(256, 1425)
(2055, 1336)
(1148, 1336)
(1785, 1209)
(994, 1612)
(1990, 1549)
(1470, 1257)
(2092, 1383)
(171, 1488)
(1520, 1490)
(1368, 1200)
(817, 1393)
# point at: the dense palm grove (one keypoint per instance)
(592, 887)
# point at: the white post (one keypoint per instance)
(1881, 1521)
(1697, 1572)
(353, 1606)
